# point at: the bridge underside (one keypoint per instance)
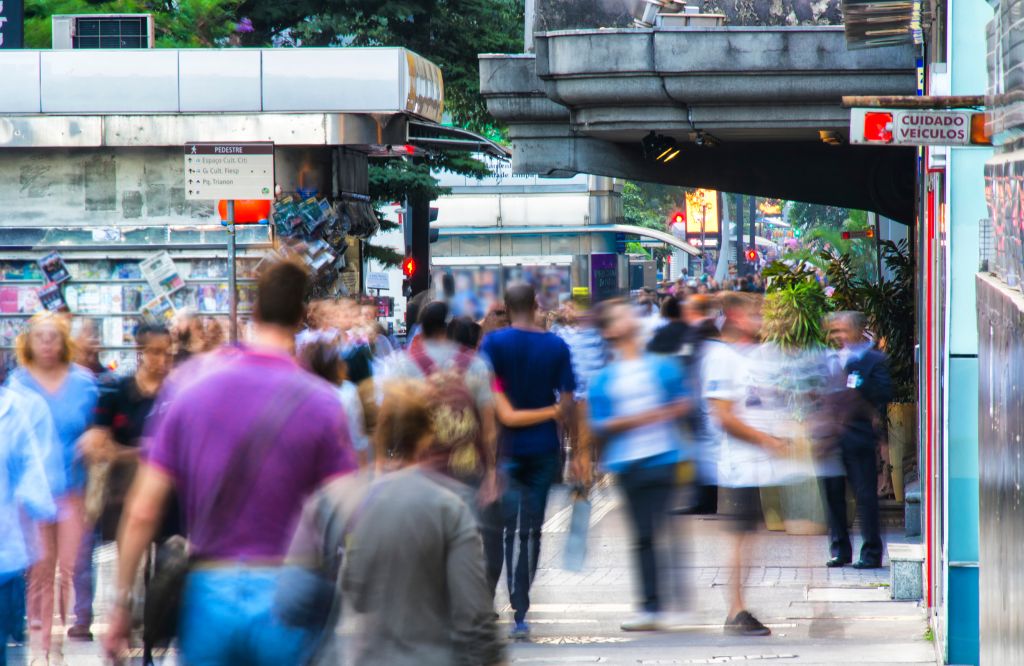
(761, 100)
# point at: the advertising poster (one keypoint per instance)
(701, 213)
(604, 277)
(54, 268)
(160, 310)
(161, 274)
(52, 299)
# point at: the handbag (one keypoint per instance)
(164, 593)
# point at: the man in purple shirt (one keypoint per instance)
(210, 444)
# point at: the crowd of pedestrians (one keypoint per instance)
(350, 499)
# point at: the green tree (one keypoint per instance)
(807, 216)
(649, 206)
(177, 23)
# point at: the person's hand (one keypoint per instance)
(581, 469)
(119, 627)
(775, 445)
(490, 489)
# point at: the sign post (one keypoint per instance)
(229, 171)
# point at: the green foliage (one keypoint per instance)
(794, 307)
(807, 216)
(888, 305)
(649, 205)
(178, 23)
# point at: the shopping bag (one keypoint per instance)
(579, 526)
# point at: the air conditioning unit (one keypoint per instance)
(102, 31)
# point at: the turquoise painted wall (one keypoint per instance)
(966, 208)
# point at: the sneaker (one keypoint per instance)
(80, 632)
(643, 622)
(745, 624)
(520, 631)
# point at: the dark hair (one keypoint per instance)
(323, 360)
(520, 299)
(464, 331)
(670, 308)
(413, 307)
(280, 294)
(434, 319)
(146, 330)
(604, 312)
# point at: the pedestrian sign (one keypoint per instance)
(229, 171)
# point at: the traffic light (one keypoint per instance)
(797, 232)
(751, 255)
(408, 270)
(677, 217)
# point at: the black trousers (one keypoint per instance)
(648, 493)
(859, 462)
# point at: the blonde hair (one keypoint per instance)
(403, 421)
(22, 348)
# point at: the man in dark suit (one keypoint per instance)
(864, 372)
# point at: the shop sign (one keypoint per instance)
(229, 171)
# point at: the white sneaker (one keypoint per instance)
(643, 622)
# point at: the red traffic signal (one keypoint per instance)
(677, 218)
(408, 267)
(751, 255)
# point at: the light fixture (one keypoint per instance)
(659, 148)
(830, 137)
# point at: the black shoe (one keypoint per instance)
(837, 562)
(861, 564)
(745, 624)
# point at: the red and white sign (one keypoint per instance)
(910, 127)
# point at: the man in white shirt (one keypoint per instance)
(742, 414)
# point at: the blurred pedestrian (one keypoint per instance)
(636, 405)
(112, 448)
(412, 576)
(534, 370)
(324, 360)
(868, 388)
(244, 443)
(747, 448)
(25, 499)
(45, 370)
(466, 332)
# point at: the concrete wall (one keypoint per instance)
(124, 186)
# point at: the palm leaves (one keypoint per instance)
(794, 306)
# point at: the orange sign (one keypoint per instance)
(702, 212)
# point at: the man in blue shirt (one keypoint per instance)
(533, 369)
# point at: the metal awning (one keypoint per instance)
(661, 236)
(443, 138)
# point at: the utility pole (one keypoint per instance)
(740, 266)
(752, 212)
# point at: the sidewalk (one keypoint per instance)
(817, 615)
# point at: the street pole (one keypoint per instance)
(232, 272)
(741, 268)
(703, 245)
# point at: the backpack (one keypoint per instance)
(458, 442)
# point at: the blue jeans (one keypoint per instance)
(524, 503)
(228, 619)
(12, 609)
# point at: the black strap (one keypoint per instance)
(249, 456)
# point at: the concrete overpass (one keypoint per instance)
(756, 110)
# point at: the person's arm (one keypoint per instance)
(876, 388)
(143, 512)
(724, 412)
(473, 628)
(510, 417)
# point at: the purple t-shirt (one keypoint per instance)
(206, 414)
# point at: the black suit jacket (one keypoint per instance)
(868, 401)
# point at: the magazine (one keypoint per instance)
(54, 268)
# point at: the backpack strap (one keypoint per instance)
(422, 360)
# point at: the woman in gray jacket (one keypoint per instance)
(405, 552)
